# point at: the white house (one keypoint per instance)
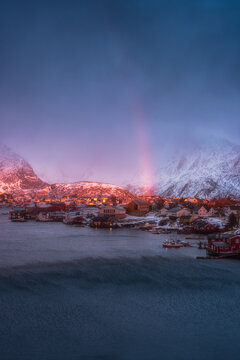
(204, 212)
(163, 212)
(178, 212)
(211, 212)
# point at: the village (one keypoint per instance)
(170, 213)
(219, 219)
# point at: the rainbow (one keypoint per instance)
(145, 153)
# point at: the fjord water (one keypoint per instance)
(78, 293)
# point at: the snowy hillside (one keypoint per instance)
(16, 173)
(91, 189)
(210, 170)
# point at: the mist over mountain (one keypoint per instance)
(211, 169)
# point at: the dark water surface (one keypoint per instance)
(76, 293)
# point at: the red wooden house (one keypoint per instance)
(225, 247)
(138, 207)
(102, 222)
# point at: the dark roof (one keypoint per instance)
(140, 202)
(176, 209)
(235, 207)
(220, 244)
(219, 236)
(196, 208)
(18, 209)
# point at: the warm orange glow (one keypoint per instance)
(191, 200)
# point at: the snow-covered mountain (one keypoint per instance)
(15, 173)
(210, 170)
(90, 189)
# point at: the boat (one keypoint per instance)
(172, 244)
(185, 243)
(160, 231)
(195, 238)
(155, 231)
(165, 231)
(18, 219)
(73, 220)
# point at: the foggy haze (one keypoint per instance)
(102, 90)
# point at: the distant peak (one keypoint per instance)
(15, 172)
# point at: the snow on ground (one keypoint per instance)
(88, 184)
(216, 221)
(237, 232)
(211, 170)
(131, 219)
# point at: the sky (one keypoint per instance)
(104, 90)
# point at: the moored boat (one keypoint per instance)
(75, 220)
(172, 244)
(18, 219)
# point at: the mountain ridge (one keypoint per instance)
(17, 175)
(210, 170)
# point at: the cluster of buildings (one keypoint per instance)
(181, 212)
(153, 213)
(58, 210)
(197, 211)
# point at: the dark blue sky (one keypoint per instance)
(103, 89)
